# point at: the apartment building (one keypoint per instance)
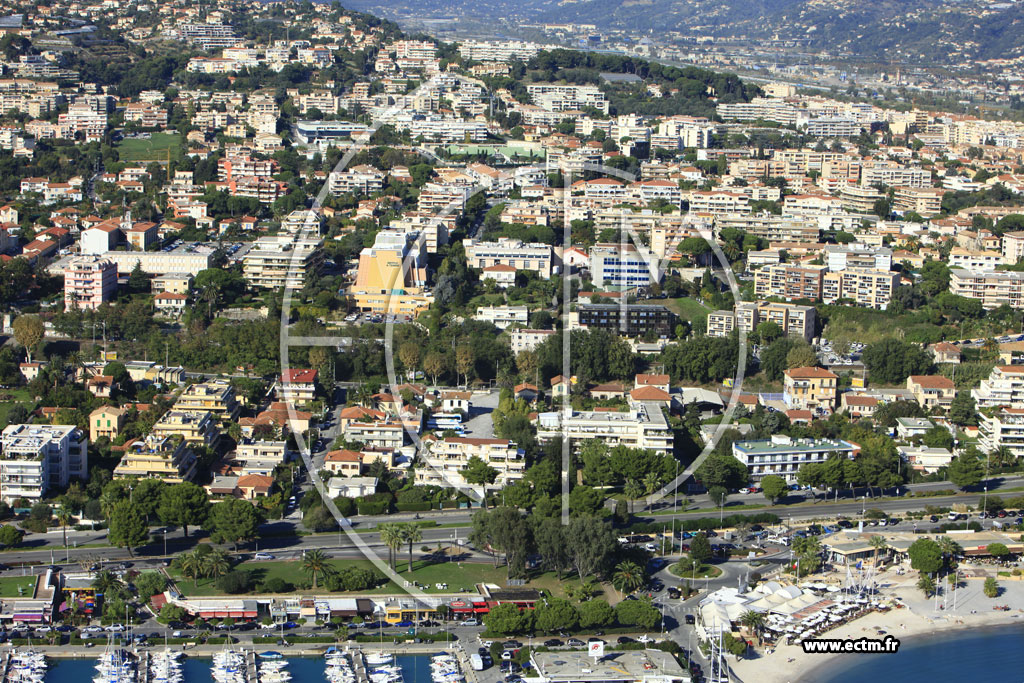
(719, 203)
(282, 260)
(834, 127)
(233, 167)
(190, 257)
(362, 179)
(497, 51)
(196, 428)
(784, 455)
(992, 289)
(810, 388)
(793, 319)
(215, 396)
(506, 251)
(383, 434)
(627, 320)
(864, 287)
(556, 97)
(298, 386)
(894, 175)
(503, 316)
(1002, 429)
(1004, 387)
(642, 426)
(969, 259)
(1013, 247)
(528, 340)
(761, 108)
(860, 199)
(37, 458)
(857, 255)
(622, 266)
(89, 281)
(166, 458)
(789, 282)
(392, 275)
(925, 201)
(442, 461)
(258, 457)
(772, 228)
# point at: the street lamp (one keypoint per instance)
(984, 501)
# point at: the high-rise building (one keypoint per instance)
(37, 458)
(88, 282)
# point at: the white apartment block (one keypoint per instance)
(503, 316)
(719, 203)
(761, 108)
(784, 456)
(559, 97)
(982, 261)
(528, 340)
(857, 255)
(259, 457)
(384, 435)
(870, 288)
(833, 127)
(992, 289)
(895, 175)
(534, 256)
(642, 426)
(1002, 429)
(282, 260)
(356, 180)
(1013, 247)
(37, 458)
(441, 462)
(497, 51)
(1004, 387)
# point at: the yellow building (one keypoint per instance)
(809, 388)
(166, 458)
(216, 396)
(392, 275)
(106, 421)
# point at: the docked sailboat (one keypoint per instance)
(444, 668)
(26, 666)
(374, 658)
(115, 666)
(339, 667)
(165, 666)
(384, 673)
(229, 666)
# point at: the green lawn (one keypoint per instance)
(688, 309)
(12, 397)
(153, 149)
(9, 586)
(461, 576)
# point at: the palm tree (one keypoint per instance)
(651, 483)
(412, 534)
(878, 543)
(216, 564)
(754, 621)
(391, 536)
(191, 564)
(315, 563)
(628, 577)
(105, 581)
(632, 490)
(64, 517)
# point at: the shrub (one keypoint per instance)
(277, 585)
(235, 582)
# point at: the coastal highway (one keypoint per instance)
(279, 538)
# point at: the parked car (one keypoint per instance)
(262, 556)
(471, 622)
(575, 642)
(553, 642)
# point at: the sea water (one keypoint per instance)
(979, 654)
(416, 669)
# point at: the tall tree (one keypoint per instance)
(233, 521)
(128, 527)
(391, 536)
(628, 577)
(183, 504)
(28, 331)
(411, 534)
(590, 544)
(316, 564)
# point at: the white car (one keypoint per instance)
(645, 639)
(115, 628)
(177, 634)
(43, 629)
(262, 556)
(92, 629)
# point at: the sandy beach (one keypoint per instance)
(790, 664)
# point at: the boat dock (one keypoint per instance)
(252, 671)
(359, 666)
(143, 667)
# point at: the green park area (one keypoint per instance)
(153, 148)
(688, 309)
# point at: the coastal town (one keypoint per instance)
(489, 360)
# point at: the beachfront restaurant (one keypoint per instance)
(408, 610)
(238, 609)
(976, 543)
